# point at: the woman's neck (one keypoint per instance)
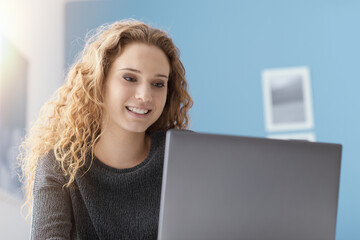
(121, 149)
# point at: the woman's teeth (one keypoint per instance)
(138, 110)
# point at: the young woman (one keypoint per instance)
(93, 160)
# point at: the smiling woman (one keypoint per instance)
(93, 161)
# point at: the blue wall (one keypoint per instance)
(226, 44)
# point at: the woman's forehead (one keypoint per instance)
(144, 58)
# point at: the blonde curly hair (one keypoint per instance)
(70, 124)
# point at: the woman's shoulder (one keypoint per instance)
(48, 169)
(47, 161)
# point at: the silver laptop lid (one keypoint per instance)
(229, 187)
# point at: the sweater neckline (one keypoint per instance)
(99, 164)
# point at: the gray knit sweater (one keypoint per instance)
(105, 203)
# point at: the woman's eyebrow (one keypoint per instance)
(138, 71)
(131, 69)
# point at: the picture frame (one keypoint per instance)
(307, 136)
(287, 99)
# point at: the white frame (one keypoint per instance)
(308, 136)
(269, 74)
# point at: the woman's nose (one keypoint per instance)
(143, 93)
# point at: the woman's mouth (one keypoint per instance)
(140, 111)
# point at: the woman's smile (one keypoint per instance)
(138, 112)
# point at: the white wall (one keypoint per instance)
(12, 223)
(36, 29)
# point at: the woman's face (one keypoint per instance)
(136, 88)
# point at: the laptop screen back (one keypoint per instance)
(229, 187)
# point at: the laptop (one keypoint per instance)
(231, 187)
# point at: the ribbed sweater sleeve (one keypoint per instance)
(52, 206)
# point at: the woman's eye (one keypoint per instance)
(159, 85)
(129, 79)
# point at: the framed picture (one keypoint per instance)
(287, 99)
(309, 136)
